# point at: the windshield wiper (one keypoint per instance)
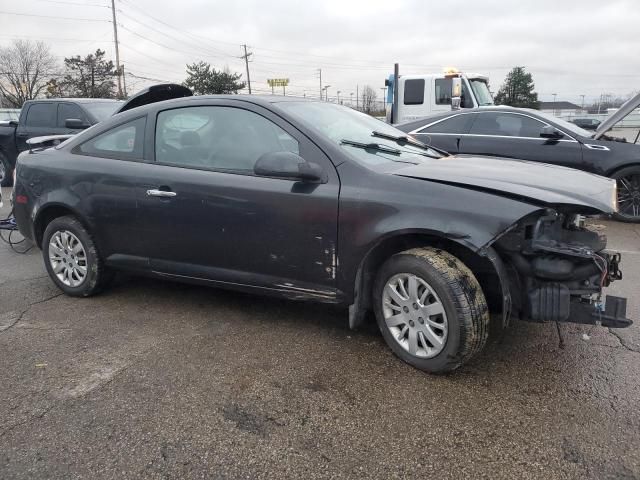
(403, 140)
(377, 148)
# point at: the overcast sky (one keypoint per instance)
(571, 47)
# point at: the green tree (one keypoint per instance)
(202, 79)
(517, 90)
(89, 77)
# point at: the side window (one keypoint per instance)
(69, 110)
(124, 141)
(455, 124)
(443, 91)
(414, 92)
(41, 115)
(219, 138)
(506, 124)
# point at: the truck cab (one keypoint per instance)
(423, 95)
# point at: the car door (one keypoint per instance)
(40, 120)
(205, 214)
(516, 135)
(446, 133)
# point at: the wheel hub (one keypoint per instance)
(68, 258)
(629, 195)
(414, 315)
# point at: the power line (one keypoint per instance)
(56, 17)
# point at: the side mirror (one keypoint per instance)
(550, 132)
(75, 124)
(289, 165)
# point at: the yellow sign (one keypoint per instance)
(278, 82)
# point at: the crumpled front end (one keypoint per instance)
(558, 268)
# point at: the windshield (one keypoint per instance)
(347, 127)
(481, 91)
(570, 127)
(102, 110)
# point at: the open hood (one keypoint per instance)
(626, 108)
(155, 93)
(541, 183)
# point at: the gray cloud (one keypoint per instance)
(571, 47)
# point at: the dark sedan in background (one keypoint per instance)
(526, 134)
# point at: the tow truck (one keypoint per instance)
(421, 95)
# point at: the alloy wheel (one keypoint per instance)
(629, 196)
(68, 258)
(414, 315)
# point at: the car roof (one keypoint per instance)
(76, 100)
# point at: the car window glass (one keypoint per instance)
(455, 124)
(220, 138)
(41, 115)
(414, 92)
(123, 141)
(443, 91)
(67, 111)
(506, 124)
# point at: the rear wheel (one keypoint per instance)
(430, 309)
(628, 180)
(72, 259)
(6, 172)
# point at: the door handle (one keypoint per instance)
(160, 193)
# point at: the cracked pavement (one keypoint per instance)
(161, 380)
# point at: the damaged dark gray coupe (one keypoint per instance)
(314, 201)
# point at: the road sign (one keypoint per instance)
(278, 82)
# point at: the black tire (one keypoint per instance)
(6, 172)
(628, 180)
(97, 275)
(459, 293)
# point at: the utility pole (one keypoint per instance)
(357, 98)
(384, 97)
(246, 62)
(338, 97)
(582, 108)
(115, 39)
(320, 72)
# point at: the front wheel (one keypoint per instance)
(628, 180)
(72, 259)
(430, 309)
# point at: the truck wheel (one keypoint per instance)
(6, 172)
(430, 309)
(628, 180)
(72, 259)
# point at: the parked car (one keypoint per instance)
(525, 134)
(62, 117)
(586, 123)
(314, 201)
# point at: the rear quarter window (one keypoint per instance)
(414, 92)
(125, 141)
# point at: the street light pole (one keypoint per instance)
(384, 98)
(554, 102)
(338, 97)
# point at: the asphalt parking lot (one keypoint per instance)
(161, 380)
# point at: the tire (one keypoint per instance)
(451, 309)
(6, 172)
(628, 180)
(78, 272)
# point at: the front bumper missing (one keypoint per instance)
(613, 315)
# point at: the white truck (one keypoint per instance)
(423, 95)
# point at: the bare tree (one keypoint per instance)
(25, 68)
(368, 99)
